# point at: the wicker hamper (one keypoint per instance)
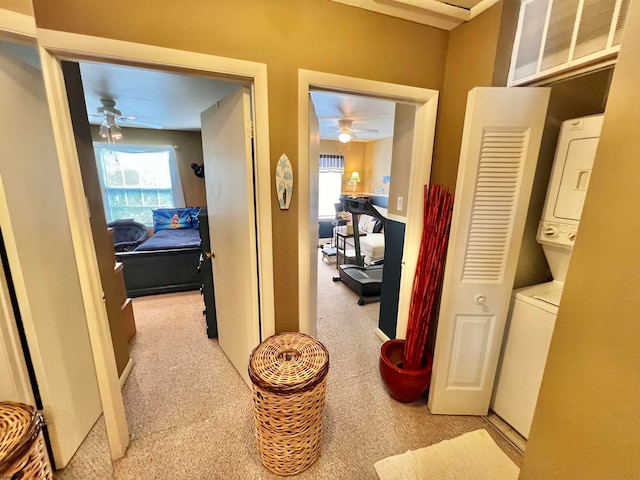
(289, 373)
(23, 453)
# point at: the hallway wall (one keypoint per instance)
(285, 36)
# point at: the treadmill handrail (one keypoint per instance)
(362, 206)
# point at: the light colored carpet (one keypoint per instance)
(473, 455)
(191, 416)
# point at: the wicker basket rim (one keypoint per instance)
(281, 343)
(27, 440)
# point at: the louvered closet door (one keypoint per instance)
(498, 157)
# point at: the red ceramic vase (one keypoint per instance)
(404, 385)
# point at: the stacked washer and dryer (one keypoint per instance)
(533, 310)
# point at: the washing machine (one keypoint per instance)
(532, 318)
(533, 310)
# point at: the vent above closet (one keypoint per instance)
(559, 36)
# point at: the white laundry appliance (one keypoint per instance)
(533, 310)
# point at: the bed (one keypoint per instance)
(167, 261)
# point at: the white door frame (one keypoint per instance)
(426, 102)
(56, 46)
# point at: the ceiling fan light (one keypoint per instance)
(104, 130)
(116, 132)
(344, 137)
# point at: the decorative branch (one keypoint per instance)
(438, 205)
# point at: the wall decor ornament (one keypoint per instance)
(284, 182)
(198, 169)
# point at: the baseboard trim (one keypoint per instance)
(125, 373)
(383, 336)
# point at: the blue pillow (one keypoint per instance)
(173, 218)
(195, 211)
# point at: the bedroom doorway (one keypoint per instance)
(131, 181)
(105, 50)
(420, 146)
(369, 153)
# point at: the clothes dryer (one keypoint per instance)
(533, 310)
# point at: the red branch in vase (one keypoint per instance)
(438, 205)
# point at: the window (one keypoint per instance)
(329, 184)
(136, 179)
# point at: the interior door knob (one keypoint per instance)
(480, 299)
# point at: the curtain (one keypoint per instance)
(329, 184)
(331, 163)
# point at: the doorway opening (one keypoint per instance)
(110, 51)
(359, 167)
(405, 208)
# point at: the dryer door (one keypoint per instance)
(575, 178)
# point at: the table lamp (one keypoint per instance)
(355, 178)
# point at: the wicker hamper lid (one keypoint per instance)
(288, 363)
(19, 427)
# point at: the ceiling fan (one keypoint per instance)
(112, 116)
(346, 131)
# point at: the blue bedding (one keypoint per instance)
(172, 239)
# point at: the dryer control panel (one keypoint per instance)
(557, 233)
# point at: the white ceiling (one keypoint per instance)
(173, 102)
(445, 15)
(366, 113)
(169, 100)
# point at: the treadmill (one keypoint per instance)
(365, 281)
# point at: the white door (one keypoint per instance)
(314, 174)
(40, 252)
(228, 165)
(498, 157)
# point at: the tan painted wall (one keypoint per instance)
(286, 35)
(19, 6)
(188, 146)
(471, 58)
(586, 423)
(354, 161)
(371, 160)
(377, 164)
(401, 157)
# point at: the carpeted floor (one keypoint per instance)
(190, 413)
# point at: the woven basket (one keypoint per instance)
(289, 373)
(23, 453)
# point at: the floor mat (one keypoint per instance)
(473, 455)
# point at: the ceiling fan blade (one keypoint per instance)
(370, 130)
(134, 121)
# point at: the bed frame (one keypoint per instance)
(160, 271)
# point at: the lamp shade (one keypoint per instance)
(355, 177)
